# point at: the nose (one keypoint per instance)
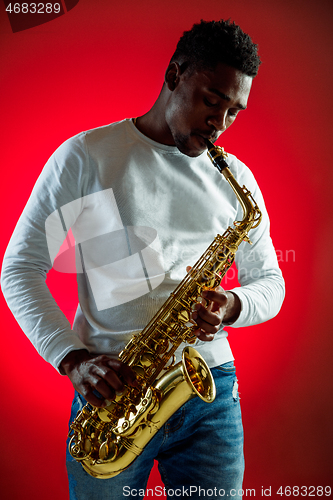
(218, 121)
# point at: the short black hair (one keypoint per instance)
(211, 42)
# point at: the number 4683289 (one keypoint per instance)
(33, 8)
(304, 491)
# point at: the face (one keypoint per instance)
(204, 104)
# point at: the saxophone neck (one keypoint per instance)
(249, 206)
(251, 212)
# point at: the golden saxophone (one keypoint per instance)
(107, 440)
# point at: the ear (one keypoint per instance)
(172, 75)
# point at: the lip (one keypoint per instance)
(202, 139)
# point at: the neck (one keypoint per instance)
(153, 124)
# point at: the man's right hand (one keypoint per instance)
(89, 372)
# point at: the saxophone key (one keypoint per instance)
(162, 346)
(139, 371)
(197, 300)
(77, 450)
(147, 359)
(87, 446)
(184, 316)
(108, 450)
(191, 339)
(105, 414)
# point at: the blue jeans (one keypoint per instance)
(199, 452)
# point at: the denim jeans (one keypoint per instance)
(199, 452)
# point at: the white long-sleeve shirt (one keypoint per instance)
(140, 212)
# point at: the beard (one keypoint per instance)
(189, 144)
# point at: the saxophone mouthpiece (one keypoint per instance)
(209, 144)
(216, 155)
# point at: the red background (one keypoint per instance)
(104, 61)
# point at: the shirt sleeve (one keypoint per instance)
(29, 257)
(262, 287)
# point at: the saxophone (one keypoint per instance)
(107, 440)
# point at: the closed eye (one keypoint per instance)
(231, 112)
(208, 102)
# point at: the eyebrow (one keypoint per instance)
(225, 97)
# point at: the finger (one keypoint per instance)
(111, 383)
(115, 372)
(88, 393)
(207, 327)
(206, 337)
(207, 320)
(217, 296)
(99, 380)
(188, 269)
(125, 371)
(106, 373)
(105, 390)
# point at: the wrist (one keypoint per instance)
(233, 309)
(72, 359)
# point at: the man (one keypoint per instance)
(144, 202)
